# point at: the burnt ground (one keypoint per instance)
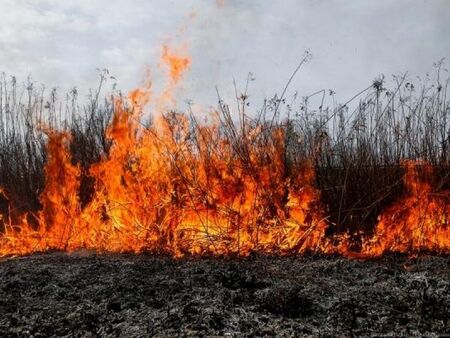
(84, 294)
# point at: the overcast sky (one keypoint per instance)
(61, 43)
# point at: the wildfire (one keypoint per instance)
(183, 188)
(420, 221)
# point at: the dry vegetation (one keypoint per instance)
(357, 148)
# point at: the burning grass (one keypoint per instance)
(358, 183)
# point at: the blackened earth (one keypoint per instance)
(88, 295)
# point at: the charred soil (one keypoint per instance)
(88, 294)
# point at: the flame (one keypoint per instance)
(140, 97)
(176, 63)
(420, 221)
(180, 188)
(155, 192)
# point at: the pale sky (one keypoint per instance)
(61, 43)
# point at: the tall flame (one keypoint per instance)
(182, 188)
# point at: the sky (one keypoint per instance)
(62, 43)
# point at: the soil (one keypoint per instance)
(84, 294)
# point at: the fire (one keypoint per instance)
(420, 221)
(180, 188)
(140, 97)
(176, 63)
(156, 192)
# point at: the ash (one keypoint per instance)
(108, 295)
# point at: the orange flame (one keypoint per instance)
(177, 64)
(155, 192)
(180, 188)
(420, 221)
(140, 97)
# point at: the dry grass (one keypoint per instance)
(357, 148)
